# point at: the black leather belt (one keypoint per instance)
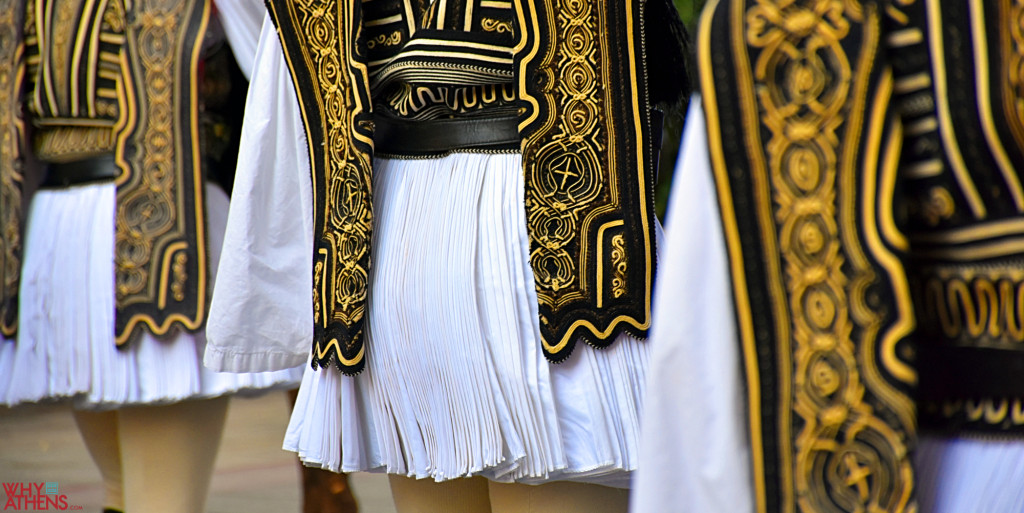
(66, 174)
(437, 137)
(399, 137)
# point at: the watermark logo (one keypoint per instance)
(35, 497)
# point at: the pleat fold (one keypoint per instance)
(455, 383)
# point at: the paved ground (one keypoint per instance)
(253, 474)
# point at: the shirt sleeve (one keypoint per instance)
(694, 454)
(242, 21)
(261, 315)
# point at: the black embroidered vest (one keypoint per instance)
(576, 75)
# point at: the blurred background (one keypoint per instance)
(689, 10)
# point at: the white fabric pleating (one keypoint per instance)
(965, 475)
(65, 345)
(455, 382)
(694, 453)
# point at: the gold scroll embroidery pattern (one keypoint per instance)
(148, 212)
(160, 222)
(996, 412)
(493, 25)
(619, 265)
(385, 40)
(11, 174)
(340, 274)
(977, 307)
(581, 72)
(845, 456)
(566, 176)
(58, 144)
(428, 102)
(1013, 62)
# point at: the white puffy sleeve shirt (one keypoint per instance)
(694, 455)
(261, 315)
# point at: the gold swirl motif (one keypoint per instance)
(975, 306)
(114, 17)
(938, 206)
(423, 102)
(339, 95)
(566, 176)
(385, 40)
(147, 212)
(619, 265)
(993, 411)
(12, 70)
(1013, 63)
(493, 25)
(581, 71)
(160, 197)
(846, 457)
(180, 276)
(318, 272)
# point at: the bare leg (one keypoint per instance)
(99, 431)
(468, 495)
(557, 497)
(167, 454)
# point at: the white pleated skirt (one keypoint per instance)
(968, 475)
(455, 382)
(65, 344)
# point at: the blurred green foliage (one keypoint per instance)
(689, 11)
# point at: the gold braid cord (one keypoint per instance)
(160, 254)
(12, 134)
(588, 166)
(797, 99)
(319, 40)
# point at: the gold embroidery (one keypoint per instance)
(984, 92)
(493, 25)
(574, 182)
(148, 212)
(587, 156)
(946, 129)
(341, 170)
(62, 30)
(1013, 63)
(619, 263)
(385, 40)
(993, 411)
(423, 102)
(160, 192)
(976, 306)
(11, 174)
(841, 426)
(65, 144)
(180, 276)
(78, 65)
(114, 17)
(939, 206)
